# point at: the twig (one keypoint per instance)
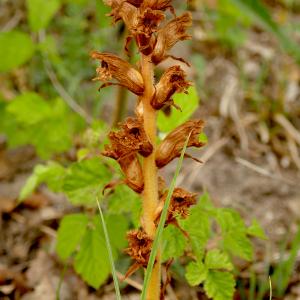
(60, 89)
(288, 126)
(263, 171)
(129, 281)
(12, 23)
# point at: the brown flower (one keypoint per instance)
(172, 81)
(124, 152)
(132, 136)
(140, 245)
(114, 67)
(173, 143)
(169, 35)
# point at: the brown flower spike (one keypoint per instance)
(134, 144)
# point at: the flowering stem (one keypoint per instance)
(150, 195)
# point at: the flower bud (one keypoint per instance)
(114, 67)
(173, 143)
(172, 81)
(169, 35)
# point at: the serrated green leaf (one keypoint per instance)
(70, 232)
(215, 259)
(117, 228)
(84, 179)
(125, 200)
(219, 285)
(52, 174)
(47, 125)
(16, 49)
(256, 230)
(173, 243)
(234, 233)
(230, 219)
(206, 204)
(198, 227)
(41, 12)
(29, 108)
(237, 243)
(188, 104)
(196, 273)
(91, 261)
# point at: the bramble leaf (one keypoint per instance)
(188, 104)
(173, 243)
(41, 12)
(52, 174)
(215, 259)
(71, 230)
(196, 273)
(91, 261)
(84, 179)
(219, 285)
(121, 195)
(11, 54)
(256, 230)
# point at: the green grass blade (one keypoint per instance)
(161, 224)
(271, 289)
(109, 250)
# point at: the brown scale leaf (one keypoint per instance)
(180, 203)
(173, 143)
(172, 81)
(113, 67)
(169, 35)
(140, 245)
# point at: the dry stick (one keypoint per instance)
(150, 195)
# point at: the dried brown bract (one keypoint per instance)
(140, 245)
(172, 81)
(129, 163)
(133, 137)
(113, 67)
(169, 35)
(173, 143)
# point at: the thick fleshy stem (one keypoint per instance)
(150, 194)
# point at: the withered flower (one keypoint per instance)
(172, 81)
(128, 161)
(173, 143)
(132, 136)
(139, 249)
(169, 35)
(113, 67)
(180, 203)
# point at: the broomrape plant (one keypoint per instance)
(134, 145)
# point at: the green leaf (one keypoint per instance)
(196, 273)
(70, 232)
(92, 262)
(215, 259)
(47, 125)
(256, 230)
(234, 233)
(29, 108)
(238, 244)
(188, 104)
(173, 243)
(84, 179)
(41, 12)
(52, 174)
(117, 226)
(16, 49)
(125, 200)
(219, 285)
